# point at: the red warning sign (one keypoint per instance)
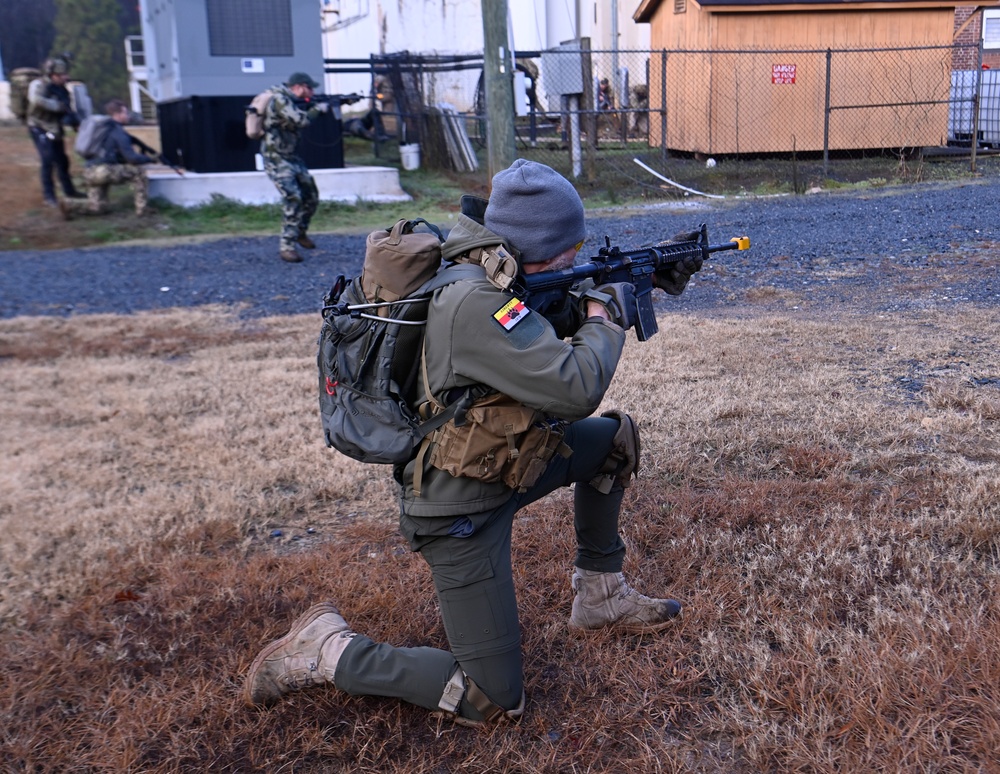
(782, 73)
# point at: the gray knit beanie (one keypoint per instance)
(535, 210)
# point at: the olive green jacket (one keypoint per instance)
(469, 341)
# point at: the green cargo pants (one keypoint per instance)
(475, 589)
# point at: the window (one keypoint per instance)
(991, 29)
(250, 27)
(680, 6)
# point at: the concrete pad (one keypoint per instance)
(349, 185)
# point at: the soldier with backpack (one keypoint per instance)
(287, 112)
(49, 112)
(111, 160)
(534, 384)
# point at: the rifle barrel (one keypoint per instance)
(654, 258)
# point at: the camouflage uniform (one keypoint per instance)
(283, 120)
(49, 110)
(117, 163)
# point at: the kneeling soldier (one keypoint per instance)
(540, 386)
(117, 162)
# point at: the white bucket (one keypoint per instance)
(410, 156)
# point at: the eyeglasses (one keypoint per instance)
(580, 244)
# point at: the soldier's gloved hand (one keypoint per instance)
(321, 107)
(618, 300)
(674, 279)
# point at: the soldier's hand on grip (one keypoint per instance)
(618, 300)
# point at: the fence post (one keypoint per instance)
(588, 105)
(663, 106)
(976, 89)
(826, 116)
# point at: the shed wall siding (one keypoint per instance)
(726, 103)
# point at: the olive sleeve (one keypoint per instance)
(496, 341)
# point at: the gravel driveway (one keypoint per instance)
(884, 249)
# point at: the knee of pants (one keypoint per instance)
(500, 677)
(592, 440)
(480, 618)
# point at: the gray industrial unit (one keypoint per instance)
(965, 84)
(214, 48)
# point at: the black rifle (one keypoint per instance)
(335, 99)
(547, 292)
(152, 152)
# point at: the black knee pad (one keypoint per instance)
(623, 461)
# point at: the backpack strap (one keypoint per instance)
(408, 226)
(439, 413)
(449, 275)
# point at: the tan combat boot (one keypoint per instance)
(306, 242)
(290, 255)
(306, 656)
(604, 599)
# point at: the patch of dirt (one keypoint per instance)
(25, 222)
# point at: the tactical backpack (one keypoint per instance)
(20, 80)
(255, 112)
(91, 135)
(371, 346)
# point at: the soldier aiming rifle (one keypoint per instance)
(529, 431)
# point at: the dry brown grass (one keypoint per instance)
(822, 494)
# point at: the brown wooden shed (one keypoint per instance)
(744, 76)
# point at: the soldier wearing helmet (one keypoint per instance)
(50, 110)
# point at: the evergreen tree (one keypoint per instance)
(92, 32)
(26, 32)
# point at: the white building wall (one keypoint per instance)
(455, 27)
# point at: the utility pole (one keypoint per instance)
(498, 78)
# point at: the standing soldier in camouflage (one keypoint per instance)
(287, 113)
(49, 112)
(116, 162)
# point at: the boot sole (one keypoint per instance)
(300, 623)
(639, 628)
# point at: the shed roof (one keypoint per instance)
(647, 8)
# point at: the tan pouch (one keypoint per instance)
(501, 440)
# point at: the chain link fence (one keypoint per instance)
(582, 110)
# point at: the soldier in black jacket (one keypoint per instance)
(117, 162)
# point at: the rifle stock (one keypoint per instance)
(547, 292)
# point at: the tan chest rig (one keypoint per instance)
(499, 439)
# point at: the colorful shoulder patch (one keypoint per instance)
(511, 313)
